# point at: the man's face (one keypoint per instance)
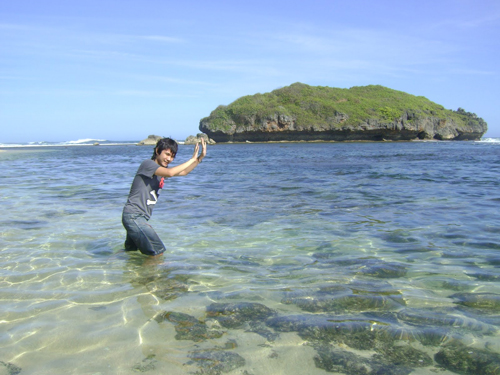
(165, 157)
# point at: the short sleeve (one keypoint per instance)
(148, 168)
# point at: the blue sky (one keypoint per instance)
(121, 70)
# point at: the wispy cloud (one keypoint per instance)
(467, 22)
(473, 72)
(162, 38)
(14, 26)
(245, 66)
(39, 92)
(176, 80)
(366, 44)
(154, 93)
(17, 78)
(102, 54)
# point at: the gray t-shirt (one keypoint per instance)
(145, 190)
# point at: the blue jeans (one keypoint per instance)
(140, 235)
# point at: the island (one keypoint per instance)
(300, 112)
(151, 140)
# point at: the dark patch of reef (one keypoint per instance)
(400, 339)
(10, 368)
(358, 327)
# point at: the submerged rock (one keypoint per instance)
(455, 285)
(480, 301)
(147, 364)
(466, 360)
(427, 336)
(382, 288)
(362, 332)
(384, 270)
(484, 275)
(344, 303)
(188, 327)
(429, 318)
(344, 362)
(358, 332)
(214, 362)
(235, 315)
(164, 285)
(238, 295)
(405, 355)
(340, 361)
(260, 328)
(10, 368)
(493, 261)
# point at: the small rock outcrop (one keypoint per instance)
(192, 140)
(370, 113)
(150, 140)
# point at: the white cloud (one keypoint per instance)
(153, 93)
(468, 22)
(162, 38)
(176, 80)
(474, 72)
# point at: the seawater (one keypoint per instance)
(284, 258)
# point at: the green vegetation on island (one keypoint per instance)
(300, 111)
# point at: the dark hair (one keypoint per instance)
(165, 144)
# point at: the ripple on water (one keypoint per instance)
(377, 257)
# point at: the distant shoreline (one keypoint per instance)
(4, 146)
(13, 147)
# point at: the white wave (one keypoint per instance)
(80, 142)
(489, 140)
(87, 140)
(6, 145)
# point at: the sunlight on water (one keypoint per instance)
(282, 258)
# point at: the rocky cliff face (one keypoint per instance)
(372, 113)
(410, 126)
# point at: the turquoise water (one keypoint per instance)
(282, 259)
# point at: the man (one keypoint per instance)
(145, 191)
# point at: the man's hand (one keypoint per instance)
(195, 152)
(185, 168)
(203, 150)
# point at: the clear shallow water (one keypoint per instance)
(283, 259)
